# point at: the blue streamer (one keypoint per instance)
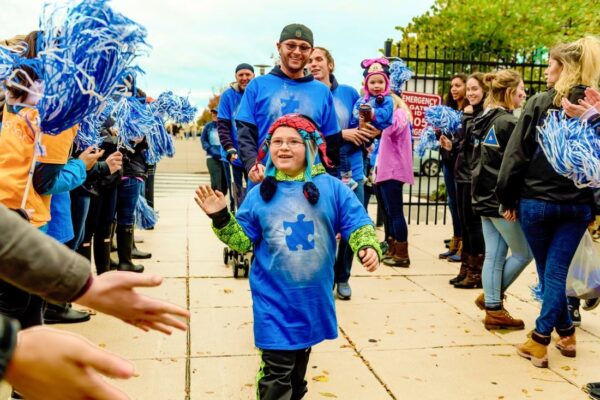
(145, 216)
(177, 108)
(160, 144)
(427, 141)
(537, 292)
(399, 75)
(572, 148)
(88, 133)
(444, 118)
(83, 59)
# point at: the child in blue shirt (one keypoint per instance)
(291, 219)
(375, 107)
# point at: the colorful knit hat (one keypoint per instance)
(376, 66)
(315, 143)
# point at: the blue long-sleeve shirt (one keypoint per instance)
(210, 141)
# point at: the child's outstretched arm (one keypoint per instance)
(364, 243)
(225, 226)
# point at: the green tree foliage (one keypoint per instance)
(490, 25)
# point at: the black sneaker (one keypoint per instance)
(575, 315)
(590, 304)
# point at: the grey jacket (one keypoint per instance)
(34, 262)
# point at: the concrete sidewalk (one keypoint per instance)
(406, 333)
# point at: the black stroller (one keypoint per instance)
(240, 263)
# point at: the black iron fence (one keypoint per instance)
(433, 69)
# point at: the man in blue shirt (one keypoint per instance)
(285, 90)
(212, 146)
(228, 109)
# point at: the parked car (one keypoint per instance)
(429, 165)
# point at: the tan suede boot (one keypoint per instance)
(501, 319)
(452, 247)
(535, 351)
(473, 278)
(566, 345)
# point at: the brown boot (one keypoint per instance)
(389, 251)
(473, 278)
(480, 301)
(399, 256)
(452, 247)
(566, 345)
(535, 349)
(462, 273)
(501, 319)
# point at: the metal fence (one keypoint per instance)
(433, 69)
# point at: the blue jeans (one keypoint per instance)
(391, 194)
(127, 196)
(343, 262)
(500, 272)
(451, 196)
(553, 231)
(80, 205)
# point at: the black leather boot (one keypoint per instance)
(124, 249)
(64, 314)
(102, 255)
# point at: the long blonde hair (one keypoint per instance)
(580, 61)
(399, 103)
(502, 86)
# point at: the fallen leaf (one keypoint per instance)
(327, 394)
(538, 389)
(524, 391)
(227, 291)
(320, 378)
(373, 340)
(566, 368)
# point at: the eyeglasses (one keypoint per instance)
(292, 144)
(304, 48)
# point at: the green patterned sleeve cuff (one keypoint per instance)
(233, 236)
(364, 236)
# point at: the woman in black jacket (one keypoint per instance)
(554, 213)
(493, 130)
(462, 144)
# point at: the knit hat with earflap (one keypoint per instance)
(315, 144)
(376, 66)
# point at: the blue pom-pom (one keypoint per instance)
(427, 141)
(399, 75)
(87, 134)
(572, 148)
(145, 216)
(84, 56)
(444, 118)
(177, 108)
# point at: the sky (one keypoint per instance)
(196, 45)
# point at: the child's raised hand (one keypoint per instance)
(210, 201)
(369, 258)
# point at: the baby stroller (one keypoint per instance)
(240, 263)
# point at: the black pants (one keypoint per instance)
(281, 376)
(472, 233)
(218, 181)
(16, 303)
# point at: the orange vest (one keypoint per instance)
(16, 156)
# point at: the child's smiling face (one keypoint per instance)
(288, 151)
(376, 84)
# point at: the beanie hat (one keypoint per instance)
(314, 144)
(298, 32)
(244, 66)
(375, 64)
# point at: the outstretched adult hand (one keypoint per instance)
(113, 293)
(49, 364)
(210, 201)
(89, 157)
(369, 258)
